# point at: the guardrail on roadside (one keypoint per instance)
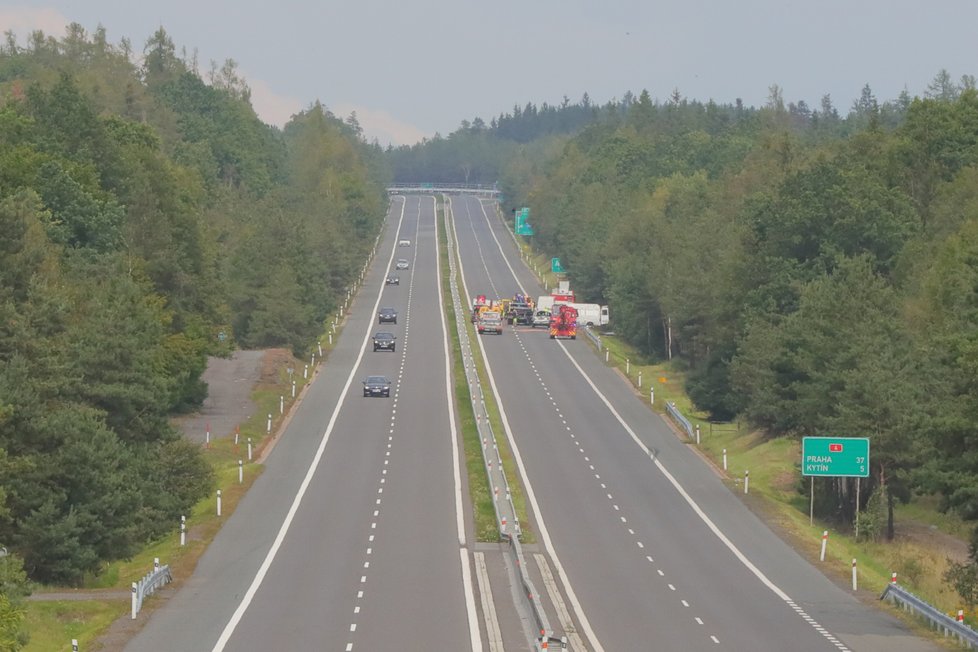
(594, 337)
(936, 618)
(680, 419)
(157, 578)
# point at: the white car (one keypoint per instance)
(402, 263)
(541, 318)
(404, 243)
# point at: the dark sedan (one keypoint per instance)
(384, 341)
(387, 316)
(376, 386)
(393, 280)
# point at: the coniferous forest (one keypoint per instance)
(148, 219)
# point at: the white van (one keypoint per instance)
(404, 243)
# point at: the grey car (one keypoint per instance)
(401, 263)
(376, 386)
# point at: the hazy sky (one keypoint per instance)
(413, 68)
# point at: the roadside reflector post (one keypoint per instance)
(960, 615)
(628, 366)
(606, 354)
(281, 404)
(237, 434)
(697, 434)
(249, 449)
(240, 471)
(305, 372)
(853, 573)
(724, 459)
(268, 428)
(74, 645)
(825, 540)
(320, 345)
(651, 395)
(133, 601)
(640, 380)
(746, 481)
(293, 382)
(183, 530)
(218, 502)
(893, 577)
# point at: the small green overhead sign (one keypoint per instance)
(846, 457)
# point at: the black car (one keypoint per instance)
(387, 316)
(376, 386)
(393, 279)
(520, 313)
(384, 341)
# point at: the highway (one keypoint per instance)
(353, 538)
(656, 552)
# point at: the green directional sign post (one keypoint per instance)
(835, 457)
(846, 457)
(521, 227)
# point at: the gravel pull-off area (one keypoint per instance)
(230, 382)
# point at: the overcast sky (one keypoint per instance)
(410, 68)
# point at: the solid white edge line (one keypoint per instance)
(474, 634)
(280, 537)
(675, 483)
(531, 496)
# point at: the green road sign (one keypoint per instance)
(846, 457)
(555, 266)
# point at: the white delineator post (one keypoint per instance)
(74, 645)
(651, 395)
(606, 354)
(724, 459)
(853, 573)
(960, 615)
(640, 380)
(320, 346)
(281, 404)
(240, 471)
(218, 502)
(133, 601)
(268, 428)
(249, 449)
(183, 530)
(893, 577)
(825, 540)
(628, 366)
(697, 434)
(305, 372)
(293, 386)
(746, 481)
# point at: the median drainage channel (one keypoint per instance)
(525, 592)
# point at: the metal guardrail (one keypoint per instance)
(492, 462)
(936, 618)
(594, 337)
(680, 419)
(157, 578)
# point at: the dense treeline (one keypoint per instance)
(815, 274)
(147, 219)
(478, 152)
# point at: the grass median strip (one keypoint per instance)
(481, 494)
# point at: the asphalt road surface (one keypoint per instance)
(352, 538)
(656, 552)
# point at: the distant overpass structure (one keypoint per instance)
(443, 188)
